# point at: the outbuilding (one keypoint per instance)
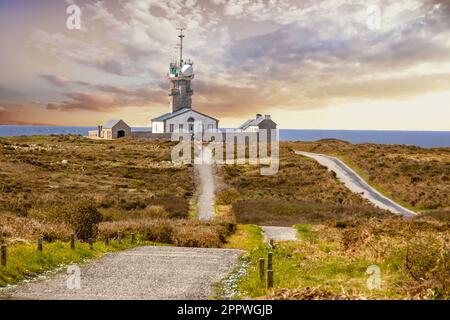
(113, 129)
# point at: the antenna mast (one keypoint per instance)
(181, 36)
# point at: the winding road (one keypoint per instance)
(356, 184)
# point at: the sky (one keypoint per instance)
(331, 64)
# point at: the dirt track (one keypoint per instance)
(141, 273)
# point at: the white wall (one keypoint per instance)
(158, 127)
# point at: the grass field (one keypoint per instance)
(55, 186)
(416, 177)
(340, 234)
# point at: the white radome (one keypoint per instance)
(187, 70)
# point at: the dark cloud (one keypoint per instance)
(108, 98)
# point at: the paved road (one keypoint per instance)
(206, 209)
(357, 184)
(141, 273)
(280, 233)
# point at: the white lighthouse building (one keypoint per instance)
(182, 116)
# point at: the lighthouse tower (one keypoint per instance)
(182, 116)
(180, 76)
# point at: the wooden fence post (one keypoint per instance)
(261, 269)
(39, 244)
(91, 243)
(271, 244)
(3, 255)
(269, 279)
(132, 238)
(119, 237)
(107, 240)
(72, 241)
(269, 261)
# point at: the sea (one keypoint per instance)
(426, 139)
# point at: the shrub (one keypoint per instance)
(227, 196)
(85, 218)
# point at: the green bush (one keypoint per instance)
(85, 218)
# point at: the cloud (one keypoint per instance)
(252, 55)
(58, 81)
(106, 98)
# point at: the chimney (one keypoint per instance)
(100, 129)
(258, 115)
(267, 116)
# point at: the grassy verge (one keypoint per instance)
(331, 263)
(246, 237)
(24, 261)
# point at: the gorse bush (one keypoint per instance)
(84, 218)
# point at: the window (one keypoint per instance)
(180, 127)
(171, 127)
(210, 127)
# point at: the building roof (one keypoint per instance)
(111, 123)
(171, 115)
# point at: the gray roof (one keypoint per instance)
(252, 122)
(170, 115)
(111, 123)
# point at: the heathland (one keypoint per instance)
(56, 186)
(53, 187)
(341, 234)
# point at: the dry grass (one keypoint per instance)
(341, 233)
(14, 229)
(44, 172)
(302, 191)
(183, 233)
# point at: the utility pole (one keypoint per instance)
(181, 36)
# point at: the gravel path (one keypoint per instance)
(206, 209)
(280, 233)
(141, 273)
(357, 184)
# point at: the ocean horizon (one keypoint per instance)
(426, 139)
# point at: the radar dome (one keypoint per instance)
(187, 70)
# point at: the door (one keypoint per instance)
(120, 134)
